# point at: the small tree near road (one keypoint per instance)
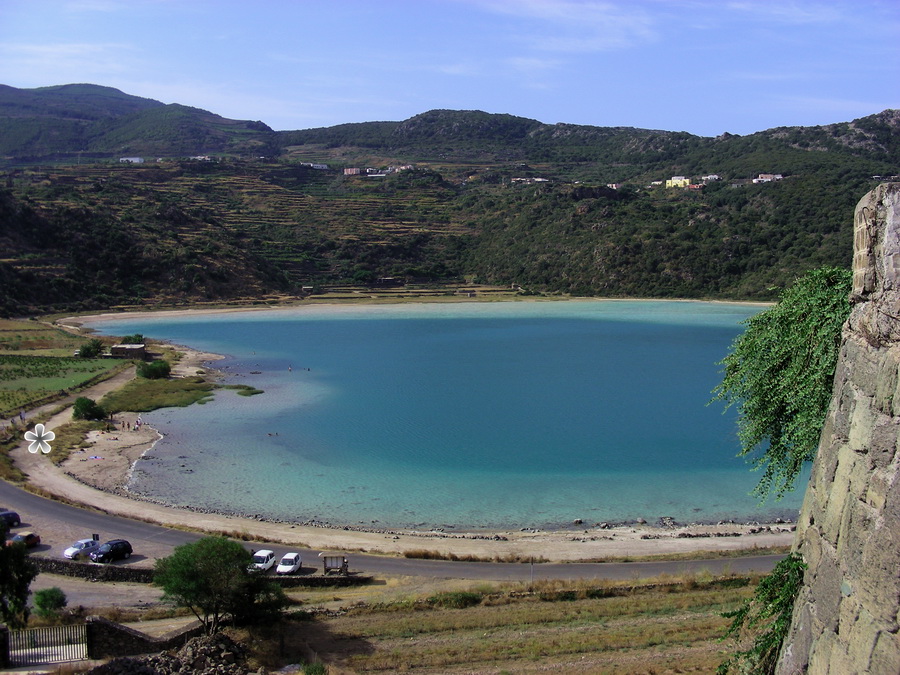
(212, 578)
(16, 574)
(87, 409)
(91, 349)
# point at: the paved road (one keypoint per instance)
(160, 540)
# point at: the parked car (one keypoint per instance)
(263, 560)
(289, 564)
(11, 517)
(28, 539)
(114, 549)
(81, 549)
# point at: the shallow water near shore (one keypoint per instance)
(468, 415)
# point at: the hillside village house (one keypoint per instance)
(767, 177)
(678, 182)
(375, 173)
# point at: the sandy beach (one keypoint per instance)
(98, 476)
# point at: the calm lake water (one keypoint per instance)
(494, 415)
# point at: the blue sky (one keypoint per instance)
(703, 66)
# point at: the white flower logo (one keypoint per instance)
(40, 439)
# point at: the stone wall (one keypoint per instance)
(845, 618)
(93, 571)
(107, 639)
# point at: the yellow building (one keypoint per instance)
(678, 181)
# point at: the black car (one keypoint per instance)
(11, 517)
(114, 549)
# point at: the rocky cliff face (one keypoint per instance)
(846, 616)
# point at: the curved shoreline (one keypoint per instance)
(577, 542)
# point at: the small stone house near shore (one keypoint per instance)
(128, 351)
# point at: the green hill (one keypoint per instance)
(89, 121)
(452, 194)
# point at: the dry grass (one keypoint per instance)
(695, 555)
(663, 626)
(428, 554)
(71, 437)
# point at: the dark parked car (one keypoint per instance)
(11, 517)
(115, 549)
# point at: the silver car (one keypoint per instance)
(81, 549)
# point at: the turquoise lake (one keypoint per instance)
(470, 415)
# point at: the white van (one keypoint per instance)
(263, 560)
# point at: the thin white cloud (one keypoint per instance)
(842, 106)
(458, 69)
(577, 27)
(789, 12)
(95, 6)
(769, 75)
(533, 65)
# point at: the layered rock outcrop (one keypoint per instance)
(846, 616)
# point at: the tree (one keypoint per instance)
(135, 339)
(212, 578)
(780, 375)
(154, 370)
(91, 349)
(16, 574)
(87, 409)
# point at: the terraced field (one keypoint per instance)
(309, 222)
(36, 365)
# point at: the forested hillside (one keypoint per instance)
(443, 196)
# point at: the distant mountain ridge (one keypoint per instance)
(71, 101)
(89, 119)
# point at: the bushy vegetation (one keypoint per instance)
(766, 618)
(49, 602)
(779, 374)
(154, 370)
(87, 409)
(455, 599)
